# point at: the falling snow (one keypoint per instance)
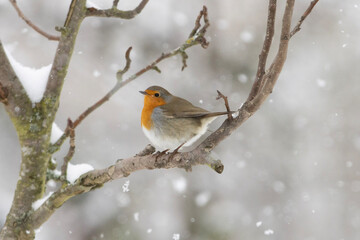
(202, 198)
(321, 82)
(96, 73)
(269, 232)
(243, 78)
(247, 36)
(125, 187)
(136, 216)
(176, 236)
(179, 184)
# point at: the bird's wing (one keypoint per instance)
(181, 108)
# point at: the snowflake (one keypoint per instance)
(125, 187)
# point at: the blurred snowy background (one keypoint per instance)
(292, 171)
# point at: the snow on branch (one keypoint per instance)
(33, 80)
(123, 168)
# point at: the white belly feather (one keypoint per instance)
(167, 142)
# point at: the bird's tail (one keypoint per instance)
(214, 114)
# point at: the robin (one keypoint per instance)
(170, 122)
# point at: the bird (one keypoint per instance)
(171, 122)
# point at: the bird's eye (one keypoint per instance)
(157, 95)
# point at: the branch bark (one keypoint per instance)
(303, 17)
(123, 168)
(32, 125)
(115, 12)
(270, 29)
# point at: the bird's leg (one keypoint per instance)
(172, 154)
(160, 154)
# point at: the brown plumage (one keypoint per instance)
(169, 121)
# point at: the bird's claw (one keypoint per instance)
(160, 154)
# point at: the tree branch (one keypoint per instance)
(115, 12)
(33, 26)
(12, 93)
(71, 151)
(197, 38)
(270, 29)
(123, 168)
(303, 17)
(120, 73)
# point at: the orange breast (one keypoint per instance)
(150, 102)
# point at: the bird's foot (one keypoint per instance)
(173, 153)
(158, 162)
(160, 154)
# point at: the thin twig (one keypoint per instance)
(114, 12)
(203, 14)
(303, 17)
(70, 154)
(220, 95)
(120, 73)
(33, 26)
(195, 40)
(206, 20)
(270, 29)
(197, 23)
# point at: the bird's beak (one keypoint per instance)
(143, 92)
